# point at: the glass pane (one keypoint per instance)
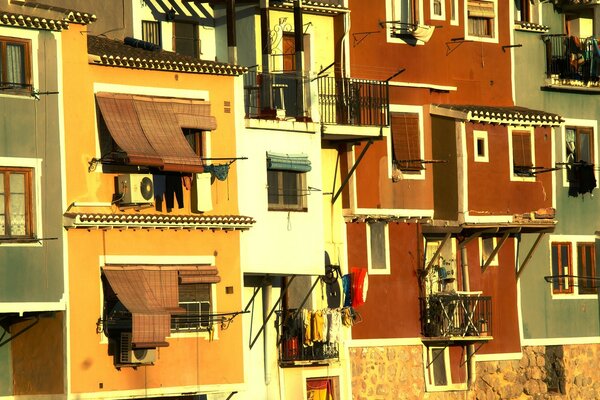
(17, 183)
(186, 39)
(570, 144)
(487, 247)
(555, 269)
(439, 367)
(15, 60)
(378, 250)
(17, 204)
(584, 148)
(2, 215)
(291, 189)
(273, 187)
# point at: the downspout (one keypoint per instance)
(266, 94)
(466, 286)
(299, 45)
(231, 38)
(266, 305)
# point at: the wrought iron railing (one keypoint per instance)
(276, 95)
(456, 314)
(572, 60)
(357, 102)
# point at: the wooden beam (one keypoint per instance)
(530, 254)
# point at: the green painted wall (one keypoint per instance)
(6, 387)
(543, 316)
(29, 129)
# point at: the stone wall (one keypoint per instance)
(543, 372)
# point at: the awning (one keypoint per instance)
(149, 129)
(151, 294)
(288, 162)
(179, 10)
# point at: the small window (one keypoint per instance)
(445, 368)
(586, 268)
(522, 153)
(289, 51)
(286, 190)
(487, 246)
(454, 12)
(378, 247)
(480, 146)
(195, 299)
(16, 65)
(404, 16)
(438, 367)
(151, 32)
(16, 202)
(481, 16)
(196, 139)
(406, 142)
(438, 9)
(186, 40)
(562, 270)
(527, 11)
(579, 144)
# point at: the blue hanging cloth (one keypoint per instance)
(219, 171)
(347, 286)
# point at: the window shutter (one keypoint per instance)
(521, 142)
(481, 9)
(406, 140)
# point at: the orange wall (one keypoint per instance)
(490, 187)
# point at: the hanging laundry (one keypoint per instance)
(347, 287)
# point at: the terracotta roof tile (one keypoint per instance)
(118, 54)
(501, 115)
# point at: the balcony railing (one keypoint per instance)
(357, 102)
(277, 96)
(572, 61)
(457, 314)
(292, 339)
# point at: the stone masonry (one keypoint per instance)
(543, 372)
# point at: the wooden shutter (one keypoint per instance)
(406, 140)
(521, 146)
(289, 52)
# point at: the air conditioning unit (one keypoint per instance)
(129, 355)
(135, 188)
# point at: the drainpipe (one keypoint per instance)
(266, 305)
(466, 286)
(266, 94)
(299, 44)
(231, 39)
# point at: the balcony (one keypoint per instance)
(297, 346)
(456, 316)
(356, 102)
(572, 62)
(282, 96)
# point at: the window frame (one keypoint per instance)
(493, 37)
(482, 250)
(429, 367)
(454, 12)
(480, 136)
(195, 38)
(7, 193)
(576, 124)
(532, 14)
(156, 25)
(414, 174)
(385, 244)
(26, 87)
(201, 326)
(511, 131)
(442, 15)
(301, 186)
(392, 8)
(574, 244)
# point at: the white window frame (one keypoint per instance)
(430, 385)
(494, 262)
(391, 9)
(432, 15)
(164, 260)
(574, 240)
(536, 13)
(514, 177)
(390, 150)
(577, 123)
(454, 20)
(477, 136)
(386, 244)
(494, 38)
(36, 196)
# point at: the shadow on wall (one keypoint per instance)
(555, 369)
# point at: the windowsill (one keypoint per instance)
(281, 125)
(484, 39)
(289, 209)
(194, 334)
(531, 27)
(573, 296)
(20, 242)
(517, 178)
(571, 85)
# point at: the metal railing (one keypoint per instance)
(570, 58)
(346, 101)
(276, 95)
(456, 315)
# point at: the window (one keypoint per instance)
(186, 39)
(454, 12)
(289, 51)
(195, 299)
(486, 247)
(445, 368)
(322, 388)
(522, 152)
(406, 142)
(16, 202)
(480, 146)
(16, 64)
(286, 190)
(378, 258)
(404, 13)
(481, 16)
(586, 268)
(527, 11)
(151, 32)
(196, 140)
(562, 270)
(579, 144)
(438, 9)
